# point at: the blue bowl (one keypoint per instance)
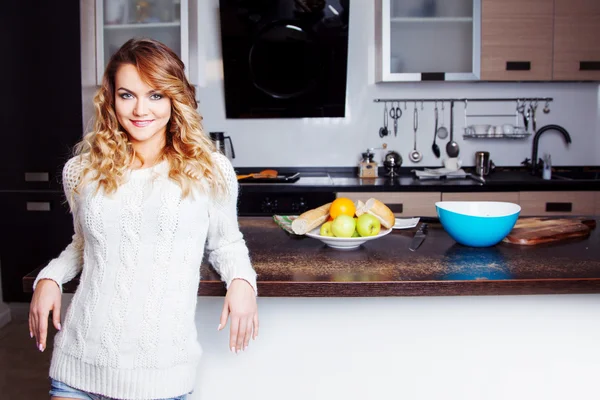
(477, 223)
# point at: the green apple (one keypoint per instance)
(326, 229)
(368, 225)
(343, 226)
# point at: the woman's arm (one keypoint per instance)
(47, 295)
(228, 254)
(70, 261)
(227, 249)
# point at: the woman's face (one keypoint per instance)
(141, 110)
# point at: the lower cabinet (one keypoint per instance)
(36, 228)
(415, 204)
(558, 203)
(402, 204)
(510, 197)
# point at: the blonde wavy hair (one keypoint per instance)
(107, 150)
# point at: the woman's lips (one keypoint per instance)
(141, 123)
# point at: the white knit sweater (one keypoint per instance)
(129, 332)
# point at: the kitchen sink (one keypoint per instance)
(577, 175)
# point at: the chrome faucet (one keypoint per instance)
(536, 140)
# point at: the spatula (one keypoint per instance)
(266, 173)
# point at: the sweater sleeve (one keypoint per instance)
(227, 250)
(70, 261)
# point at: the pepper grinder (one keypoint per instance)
(367, 168)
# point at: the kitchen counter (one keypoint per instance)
(341, 180)
(292, 266)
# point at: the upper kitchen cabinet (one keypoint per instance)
(420, 40)
(108, 24)
(576, 44)
(117, 21)
(516, 40)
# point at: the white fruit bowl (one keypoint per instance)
(345, 243)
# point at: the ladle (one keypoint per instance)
(415, 155)
(452, 148)
(383, 131)
(265, 173)
(434, 147)
(442, 132)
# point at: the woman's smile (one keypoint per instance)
(141, 123)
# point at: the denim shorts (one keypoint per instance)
(59, 389)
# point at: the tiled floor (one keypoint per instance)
(23, 369)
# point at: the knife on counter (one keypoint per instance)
(419, 237)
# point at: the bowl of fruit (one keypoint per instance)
(343, 224)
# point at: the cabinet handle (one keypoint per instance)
(589, 65)
(433, 76)
(518, 65)
(38, 206)
(37, 177)
(559, 207)
(396, 208)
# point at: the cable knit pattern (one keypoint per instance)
(129, 247)
(129, 332)
(168, 218)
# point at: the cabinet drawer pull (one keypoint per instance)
(396, 208)
(37, 177)
(38, 206)
(433, 76)
(559, 207)
(589, 65)
(518, 66)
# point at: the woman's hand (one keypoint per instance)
(240, 305)
(46, 298)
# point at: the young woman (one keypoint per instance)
(148, 193)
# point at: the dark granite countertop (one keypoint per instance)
(345, 180)
(292, 266)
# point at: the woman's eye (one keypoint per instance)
(125, 96)
(156, 96)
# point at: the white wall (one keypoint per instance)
(339, 141)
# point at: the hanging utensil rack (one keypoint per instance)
(466, 100)
(470, 99)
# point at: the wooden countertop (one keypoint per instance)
(291, 266)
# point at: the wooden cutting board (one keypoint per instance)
(532, 231)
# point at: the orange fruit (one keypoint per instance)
(342, 206)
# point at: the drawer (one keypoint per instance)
(510, 197)
(402, 204)
(557, 203)
(38, 226)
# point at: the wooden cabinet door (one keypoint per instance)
(556, 203)
(597, 207)
(511, 197)
(516, 40)
(401, 204)
(576, 40)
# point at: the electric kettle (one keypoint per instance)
(219, 139)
